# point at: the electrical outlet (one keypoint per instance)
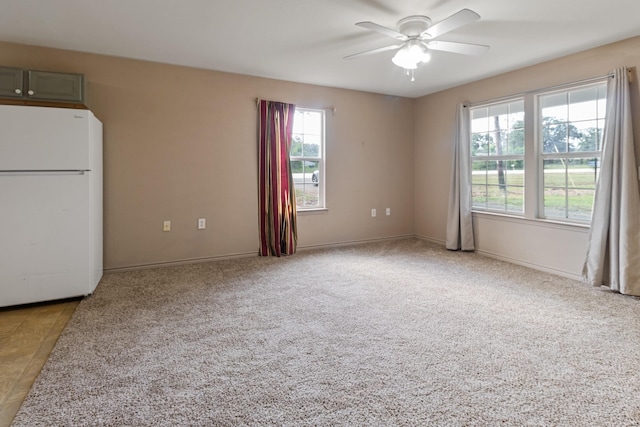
(166, 226)
(388, 211)
(373, 213)
(202, 223)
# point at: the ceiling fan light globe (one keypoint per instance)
(406, 65)
(403, 59)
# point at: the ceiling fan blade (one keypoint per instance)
(457, 20)
(383, 30)
(372, 51)
(454, 47)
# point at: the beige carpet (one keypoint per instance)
(400, 333)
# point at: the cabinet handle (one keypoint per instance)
(31, 92)
(18, 91)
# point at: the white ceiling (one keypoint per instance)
(306, 40)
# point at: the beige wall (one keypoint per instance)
(559, 249)
(180, 143)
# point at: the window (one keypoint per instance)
(569, 137)
(497, 157)
(555, 151)
(307, 158)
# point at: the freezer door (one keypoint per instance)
(45, 249)
(43, 138)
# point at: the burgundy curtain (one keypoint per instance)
(278, 231)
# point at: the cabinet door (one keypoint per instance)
(11, 82)
(55, 86)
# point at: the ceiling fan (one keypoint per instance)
(416, 35)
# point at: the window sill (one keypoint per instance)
(547, 223)
(313, 211)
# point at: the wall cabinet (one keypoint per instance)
(11, 84)
(21, 84)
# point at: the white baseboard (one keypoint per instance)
(516, 261)
(430, 239)
(355, 242)
(247, 254)
(180, 262)
(530, 265)
(344, 244)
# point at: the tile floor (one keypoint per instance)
(27, 336)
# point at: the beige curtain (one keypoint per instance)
(459, 221)
(613, 255)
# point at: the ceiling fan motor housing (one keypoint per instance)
(413, 26)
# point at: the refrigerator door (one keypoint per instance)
(45, 228)
(42, 138)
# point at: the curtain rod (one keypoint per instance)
(548, 88)
(332, 109)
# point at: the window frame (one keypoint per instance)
(534, 190)
(497, 157)
(541, 156)
(320, 159)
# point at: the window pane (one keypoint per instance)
(306, 180)
(312, 123)
(554, 107)
(309, 168)
(479, 172)
(594, 166)
(599, 136)
(602, 103)
(479, 196)
(515, 199)
(298, 122)
(479, 184)
(569, 188)
(498, 130)
(554, 173)
(296, 168)
(480, 144)
(514, 172)
(307, 122)
(498, 185)
(579, 175)
(582, 104)
(555, 188)
(554, 137)
(500, 143)
(306, 158)
(581, 181)
(499, 116)
(495, 197)
(555, 203)
(306, 196)
(311, 146)
(516, 141)
(587, 136)
(569, 182)
(479, 120)
(580, 204)
(296, 146)
(516, 115)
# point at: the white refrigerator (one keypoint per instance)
(50, 203)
